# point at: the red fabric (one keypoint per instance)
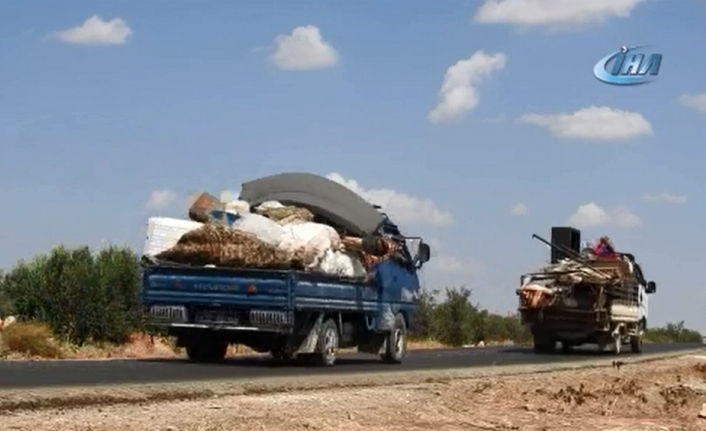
(605, 250)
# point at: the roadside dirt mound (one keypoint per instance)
(652, 396)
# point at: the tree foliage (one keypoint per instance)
(457, 321)
(82, 296)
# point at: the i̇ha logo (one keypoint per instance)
(628, 66)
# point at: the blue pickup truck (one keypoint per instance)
(292, 313)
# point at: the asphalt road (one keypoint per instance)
(27, 375)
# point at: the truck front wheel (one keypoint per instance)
(396, 344)
(206, 349)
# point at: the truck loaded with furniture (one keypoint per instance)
(298, 265)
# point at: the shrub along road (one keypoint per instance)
(22, 374)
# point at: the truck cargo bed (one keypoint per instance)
(255, 288)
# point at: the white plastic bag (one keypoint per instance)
(263, 228)
(315, 238)
(340, 264)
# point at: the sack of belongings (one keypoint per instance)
(315, 238)
(341, 264)
(261, 227)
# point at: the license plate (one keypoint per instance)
(216, 316)
(171, 313)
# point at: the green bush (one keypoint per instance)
(673, 333)
(458, 322)
(81, 296)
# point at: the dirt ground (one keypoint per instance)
(660, 395)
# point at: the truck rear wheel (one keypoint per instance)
(636, 344)
(281, 354)
(636, 340)
(543, 342)
(328, 344)
(206, 349)
(566, 347)
(396, 345)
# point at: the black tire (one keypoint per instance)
(206, 349)
(396, 345)
(636, 340)
(566, 347)
(636, 344)
(327, 345)
(281, 355)
(543, 343)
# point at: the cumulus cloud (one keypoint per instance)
(160, 199)
(696, 101)
(553, 12)
(665, 197)
(595, 123)
(303, 49)
(402, 207)
(519, 210)
(459, 90)
(592, 215)
(95, 31)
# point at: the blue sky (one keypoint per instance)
(157, 100)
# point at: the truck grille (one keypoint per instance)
(269, 318)
(168, 313)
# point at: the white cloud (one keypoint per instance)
(160, 199)
(459, 92)
(519, 209)
(456, 265)
(303, 49)
(401, 207)
(95, 31)
(665, 197)
(696, 101)
(553, 12)
(592, 215)
(595, 123)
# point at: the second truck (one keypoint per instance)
(585, 298)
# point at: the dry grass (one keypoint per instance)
(30, 340)
(657, 395)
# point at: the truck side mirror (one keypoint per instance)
(423, 252)
(651, 287)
